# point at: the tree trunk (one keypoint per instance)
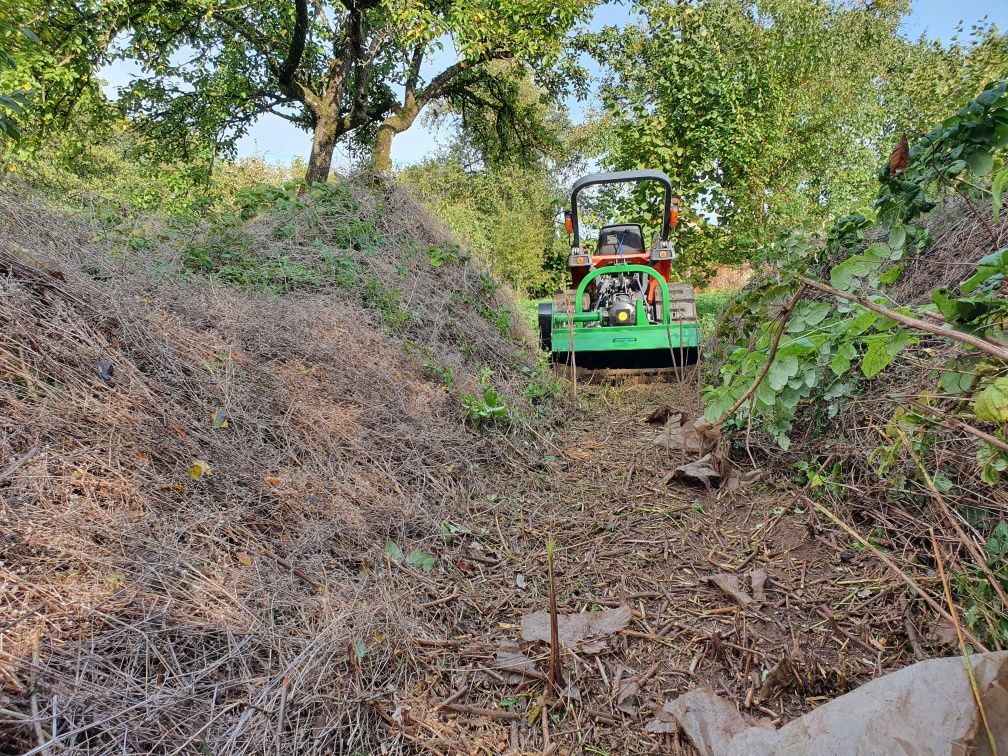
(381, 158)
(323, 145)
(397, 123)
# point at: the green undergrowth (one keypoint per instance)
(282, 239)
(837, 365)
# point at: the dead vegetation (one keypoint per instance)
(197, 483)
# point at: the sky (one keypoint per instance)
(278, 141)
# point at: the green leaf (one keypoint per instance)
(816, 313)
(421, 560)
(955, 382)
(843, 358)
(862, 322)
(945, 304)
(987, 267)
(992, 403)
(997, 189)
(880, 251)
(766, 394)
(997, 546)
(980, 162)
(897, 237)
(876, 357)
(393, 551)
(782, 369)
(359, 649)
(892, 275)
(842, 276)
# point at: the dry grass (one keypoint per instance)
(144, 610)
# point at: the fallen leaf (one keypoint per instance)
(421, 560)
(570, 693)
(944, 632)
(781, 676)
(272, 480)
(106, 370)
(661, 415)
(664, 722)
(737, 479)
(701, 471)
(244, 559)
(729, 584)
(758, 577)
(679, 435)
(200, 467)
(511, 660)
(220, 418)
(580, 628)
(626, 690)
(393, 551)
(177, 429)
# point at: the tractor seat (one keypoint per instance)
(630, 233)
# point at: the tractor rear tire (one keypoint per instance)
(546, 326)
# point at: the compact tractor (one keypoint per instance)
(623, 310)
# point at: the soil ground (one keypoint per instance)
(628, 536)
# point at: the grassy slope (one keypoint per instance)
(209, 435)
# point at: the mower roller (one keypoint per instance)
(623, 310)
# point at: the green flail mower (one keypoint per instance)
(623, 310)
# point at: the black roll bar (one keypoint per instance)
(615, 177)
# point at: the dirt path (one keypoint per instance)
(626, 539)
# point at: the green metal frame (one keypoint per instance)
(665, 335)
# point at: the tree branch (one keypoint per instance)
(992, 349)
(784, 317)
(299, 39)
(414, 73)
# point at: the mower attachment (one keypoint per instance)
(623, 310)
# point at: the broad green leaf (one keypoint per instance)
(897, 236)
(876, 357)
(782, 369)
(997, 190)
(996, 263)
(861, 323)
(997, 545)
(766, 394)
(393, 551)
(421, 560)
(892, 275)
(843, 358)
(880, 251)
(992, 403)
(980, 162)
(842, 276)
(954, 382)
(816, 313)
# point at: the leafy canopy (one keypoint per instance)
(769, 115)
